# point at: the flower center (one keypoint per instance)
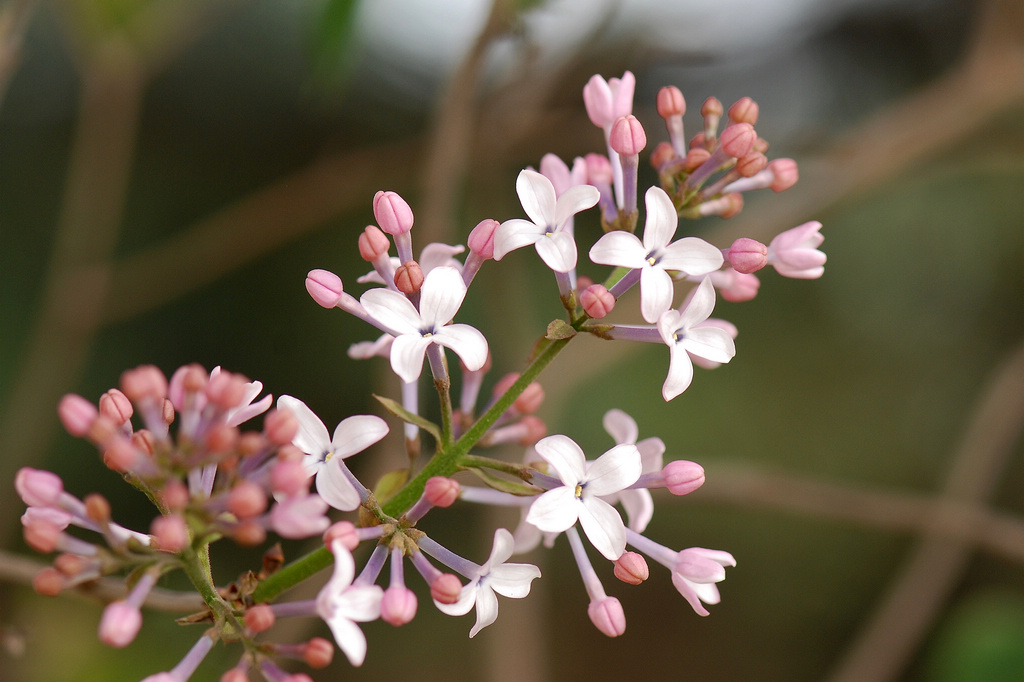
(579, 491)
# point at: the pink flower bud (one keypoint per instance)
(597, 301)
(325, 287)
(260, 618)
(745, 110)
(737, 287)
(247, 499)
(144, 382)
(529, 401)
(445, 589)
(747, 255)
(682, 476)
(115, 406)
(38, 488)
(280, 427)
(97, 508)
(441, 491)
(392, 213)
(76, 414)
(373, 244)
(785, 172)
(120, 624)
(631, 568)
(42, 536)
(288, 477)
(344, 531)
(711, 107)
(738, 139)
(662, 155)
(751, 164)
(234, 675)
(48, 582)
(170, 533)
(226, 390)
(409, 277)
(671, 102)
(398, 605)
(599, 169)
(627, 137)
(481, 239)
(695, 158)
(607, 616)
(534, 429)
(175, 495)
(318, 653)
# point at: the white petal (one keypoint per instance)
(651, 450)
(680, 373)
(344, 569)
(686, 588)
(515, 234)
(350, 639)
(619, 248)
(620, 426)
(392, 309)
(486, 609)
(555, 511)
(565, 456)
(691, 255)
(558, 251)
(604, 527)
(614, 470)
(335, 488)
(574, 200)
(407, 353)
(700, 305)
(710, 343)
(502, 548)
(662, 220)
(436, 255)
(656, 293)
(441, 296)
(639, 506)
(312, 437)
(356, 433)
(512, 580)
(360, 603)
(537, 195)
(467, 597)
(467, 342)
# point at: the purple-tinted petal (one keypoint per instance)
(710, 343)
(558, 251)
(691, 255)
(335, 488)
(515, 234)
(620, 426)
(486, 609)
(436, 255)
(700, 306)
(639, 506)
(686, 588)
(502, 548)
(350, 639)
(512, 580)
(680, 373)
(392, 309)
(574, 200)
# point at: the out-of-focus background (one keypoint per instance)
(171, 169)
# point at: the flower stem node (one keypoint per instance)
(631, 568)
(607, 615)
(682, 477)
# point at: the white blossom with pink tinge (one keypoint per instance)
(794, 253)
(342, 604)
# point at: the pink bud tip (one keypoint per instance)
(695, 158)
(76, 414)
(662, 155)
(446, 589)
(144, 382)
(599, 169)
(744, 110)
(785, 172)
(631, 568)
(226, 390)
(247, 499)
(747, 255)
(529, 401)
(175, 495)
(170, 533)
(607, 616)
(48, 582)
(481, 239)
(116, 406)
(740, 288)
(119, 624)
(288, 477)
(597, 301)
(392, 213)
(260, 618)
(738, 139)
(38, 488)
(398, 606)
(97, 508)
(671, 102)
(373, 243)
(318, 653)
(441, 491)
(751, 164)
(280, 427)
(42, 535)
(711, 107)
(683, 477)
(627, 137)
(409, 277)
(325, 287)
(344, 531)
(534, 429)
(732, 205)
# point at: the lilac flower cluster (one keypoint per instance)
(211, 480)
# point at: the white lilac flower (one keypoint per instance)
(440, 298)
(639, 504)
(324, 454)
(508, 580)
(546, 229)
(684, 334)
(342, 604)
(433, 255)
(655, 255)
(583, 485)
(695, 572)
(794, 253)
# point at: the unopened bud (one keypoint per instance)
(671, 102)
(115, 406)
(683, 477)
(324, 287)
(38, 488)
(373, 243)
(744, 110)
(631, 568)
(76, 414)
(247, 499)
(441, 491)
(607, 615)
(747, 255)
(738, 139)
(627, 136)
(481, 239)
(48, 582)
(318, 653)
(409, 277)
(120, 624)
(260, 618)
(785, 172)
(597, 301)
(170, 533)
(280, 426)
(145, 382)
(445, 589)
(392, 213)
(344, 531)
(398, 605)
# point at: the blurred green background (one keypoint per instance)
(170, 170)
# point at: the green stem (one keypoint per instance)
(448, 459)
(520, 471)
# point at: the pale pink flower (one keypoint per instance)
(639, 504)
(794, 253)
(342, 604)
(684, 334)
(695, 572)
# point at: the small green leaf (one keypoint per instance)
(390, 483)
(504, 485)
(559, 329)
(405, 415)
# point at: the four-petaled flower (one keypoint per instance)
(682, 331)
(547, 231)
(695, 572)
(583, 485)
(794, 253)
(440, 298)
(342, 604)
(655, 255)
(508, 580)
(324, 454)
